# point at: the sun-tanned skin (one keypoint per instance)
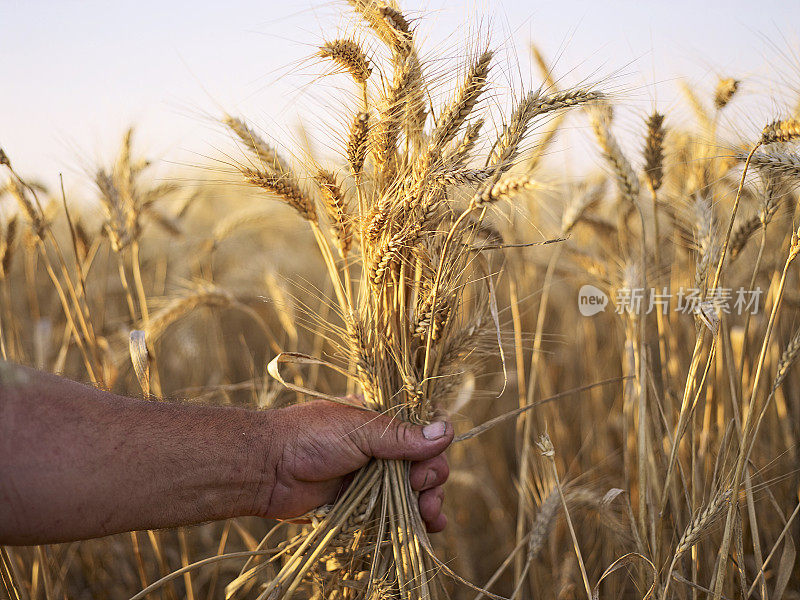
(77, 462)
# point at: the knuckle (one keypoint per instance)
(362, 440)
(429, 475)
(416, 477)
(403, 434)
(444, 471)
(430, 501)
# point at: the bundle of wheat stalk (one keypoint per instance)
(413, 286)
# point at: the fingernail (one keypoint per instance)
(434, 431)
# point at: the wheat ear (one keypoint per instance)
(285, 188)
(265, 153)
(781, 131)
(654, 151)
(335, 204)
(349, 55)
(724, 92)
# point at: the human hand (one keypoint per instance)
(316, 446)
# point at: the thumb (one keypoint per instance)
(388, 438)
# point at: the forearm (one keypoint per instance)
(77, 462)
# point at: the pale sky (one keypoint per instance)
(75, 73)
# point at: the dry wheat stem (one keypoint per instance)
(747, 426)
(768, 210)
(84, 336)
(684, 411)
(760, 575)
(546, 446)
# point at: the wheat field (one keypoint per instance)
(615, 349)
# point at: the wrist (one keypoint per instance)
(260, 455)
(241, 466)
